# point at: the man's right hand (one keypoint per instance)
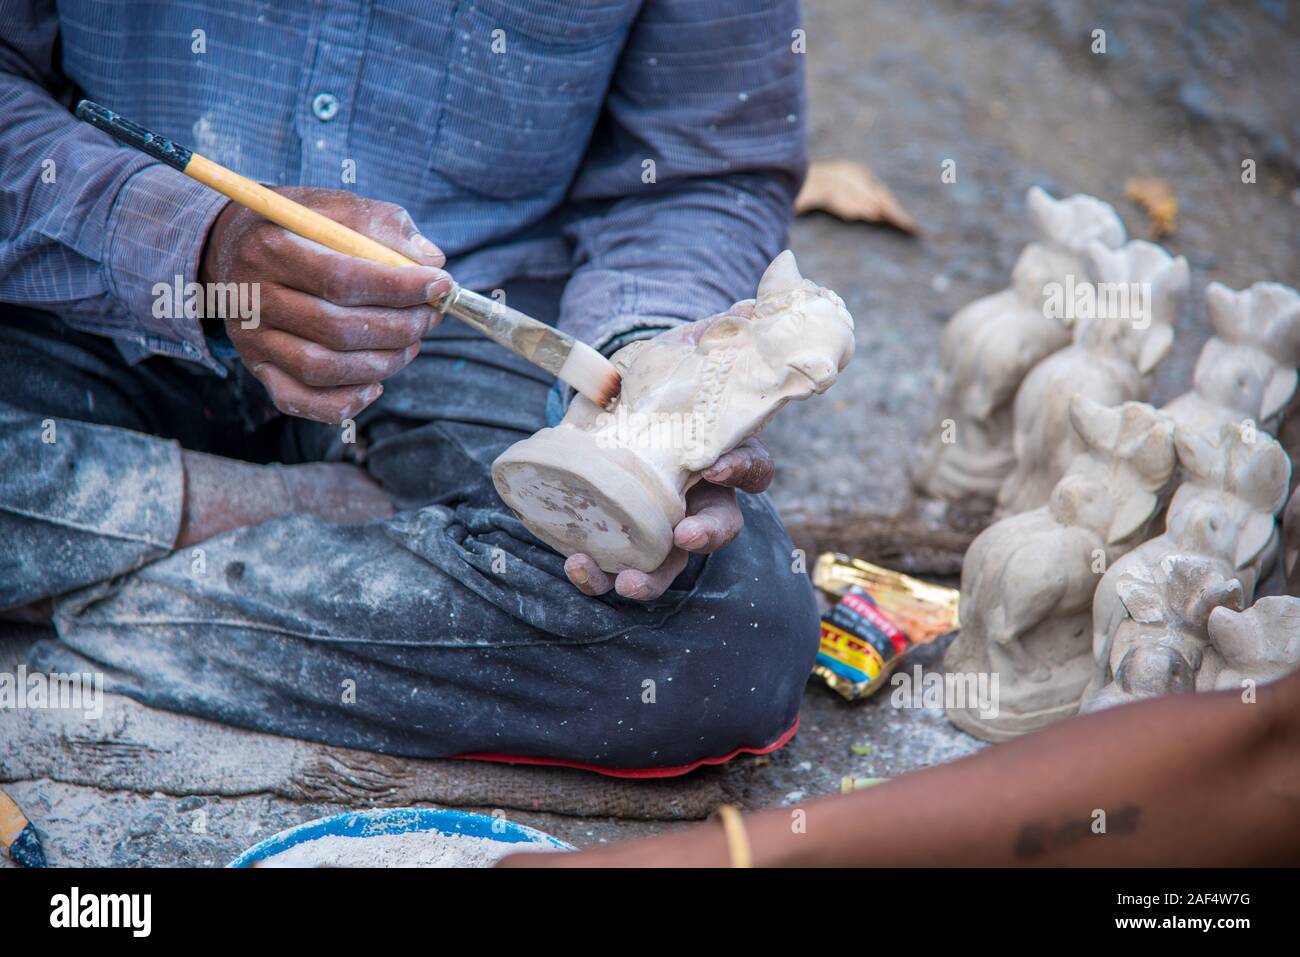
(331, 327)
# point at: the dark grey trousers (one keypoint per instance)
(444, 630)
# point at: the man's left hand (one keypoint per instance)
(713, 519)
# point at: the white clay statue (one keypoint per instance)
(1154, 604)
(612, 485)
(1124, 328)
(1028, 580)
(1258, 645)
(1247, 370)
(988, 347)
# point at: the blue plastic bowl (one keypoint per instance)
(363, 824)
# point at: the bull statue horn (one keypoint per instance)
(1153, 457)
(1044, 211)
(1199, 455)
(1097, 424)
(1222, 305)
(781, 275)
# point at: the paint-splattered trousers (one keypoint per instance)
(446, 629)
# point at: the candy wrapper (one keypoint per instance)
(880, 617)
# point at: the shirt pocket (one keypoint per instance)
(518, 107)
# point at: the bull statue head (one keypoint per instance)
(1132, 445)
(801, 333)
(1072, 223)
(1262, 642)
(1245, 467)
(1159, 282)
(1264, 319)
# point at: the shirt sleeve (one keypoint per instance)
(686, 193)
(88, 228)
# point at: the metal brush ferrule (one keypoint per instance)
(535, 341)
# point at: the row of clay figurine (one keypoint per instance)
(1042, 418)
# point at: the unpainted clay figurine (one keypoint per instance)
(1234, 650)
(1258, 645)
(1247, 370)
(1153, 605)
(1028, 580)
(1159, 633)
(612, 485)
(1124, 329)
(1247, 474)
(988, 347)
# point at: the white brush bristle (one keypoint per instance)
(591, 374)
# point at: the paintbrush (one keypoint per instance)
(558, 353)
(17, 834)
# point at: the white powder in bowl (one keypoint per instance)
(410, 849)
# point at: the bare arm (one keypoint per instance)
(1202, 779)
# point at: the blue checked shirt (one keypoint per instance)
(648, 150)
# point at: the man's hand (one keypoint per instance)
(332, 327)
(713, 516)
(713, 519)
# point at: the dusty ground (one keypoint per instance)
(1010, 91)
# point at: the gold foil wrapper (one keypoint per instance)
(921, 609)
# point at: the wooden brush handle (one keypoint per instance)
(295, 217)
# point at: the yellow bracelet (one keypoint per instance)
(733, 824)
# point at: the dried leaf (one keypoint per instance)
(850, 191)
(1157, 199)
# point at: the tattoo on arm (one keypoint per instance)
(1036, 838)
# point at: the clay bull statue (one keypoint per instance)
(612, 485)
(1116, 347)
(1152, 609)
(1028, 581)
(989, 346)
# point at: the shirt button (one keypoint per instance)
(325, 106)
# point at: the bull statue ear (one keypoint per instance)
(1159, 340)
(1141, 600)
(1254, 538)
(1107, 264)
(726, 332)
(1278, 393)
(1222, 623)
(1133, 514)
